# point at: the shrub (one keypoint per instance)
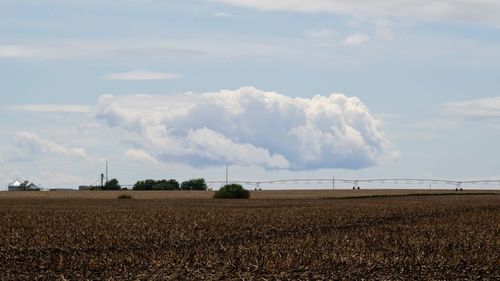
(232, 191)
(125, 196)
(194, 184)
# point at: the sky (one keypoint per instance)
(274, 89)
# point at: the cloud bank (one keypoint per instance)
(248, 127)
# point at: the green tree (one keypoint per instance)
(139, 185)
(174, 184)
(194, 184)
(150, 184)
(112, 184)
(167, 185)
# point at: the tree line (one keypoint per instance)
(150, 184)
(227, 191)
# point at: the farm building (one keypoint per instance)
(86, 187)
(23, 186)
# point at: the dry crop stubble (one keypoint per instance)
(433, 237)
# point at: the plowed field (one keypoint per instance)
(321, 236)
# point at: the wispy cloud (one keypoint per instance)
(145, 48)
(222, 15)
(24, 52)
(331, 51)
(140, 155)
(55, 108)
(56, 178)
(471, 11)
(436, 123)
(75, 49)
(320, 33)
(478, 108)
(356, 39)
(142, 75)
(383, 30)
(29, 146)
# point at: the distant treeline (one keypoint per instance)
(171, 184)
(149, 184)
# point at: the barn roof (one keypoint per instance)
(15, 183)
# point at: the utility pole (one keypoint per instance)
(333, 183)
(227, 171)
(106, 170)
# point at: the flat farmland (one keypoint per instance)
(304, 235)
(266, 194)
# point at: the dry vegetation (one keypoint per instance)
(321, 237)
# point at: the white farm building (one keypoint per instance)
(23, 186)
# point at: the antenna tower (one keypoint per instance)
(106, 170)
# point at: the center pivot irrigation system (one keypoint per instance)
(340, 183)
(334, 183)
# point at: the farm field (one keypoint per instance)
(266, 194)
(394, 235)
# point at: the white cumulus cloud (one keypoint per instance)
(249, 127)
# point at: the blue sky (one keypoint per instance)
(415, 82)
